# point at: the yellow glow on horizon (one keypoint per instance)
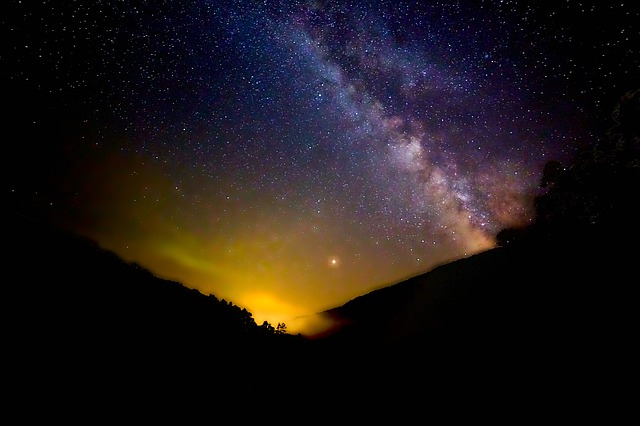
(231, 284)
(267, 307)
(276, 289)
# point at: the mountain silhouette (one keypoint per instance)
(543, 327)
(85, 326)
(557, 318)
(549, 318)
(548, 290)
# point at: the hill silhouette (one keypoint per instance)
(554, 319)
(84, 325)
(544, 325)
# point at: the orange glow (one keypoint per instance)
(267, 307)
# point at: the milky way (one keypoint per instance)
(289, 156)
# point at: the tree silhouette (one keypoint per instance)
(597, 192)
(267, 328)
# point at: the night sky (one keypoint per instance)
(288, 156)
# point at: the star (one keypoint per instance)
(246, 148)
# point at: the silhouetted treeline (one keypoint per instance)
(542, 326)
(65, 281)
(597, 193)
(79, 318)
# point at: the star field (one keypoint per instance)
(290, 156)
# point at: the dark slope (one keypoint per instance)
(529, 331)
(513, 293)
(543, 329)
(62, 284)
(90, 334)
(544, 326)
(519, 332)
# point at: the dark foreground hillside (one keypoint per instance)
(542, 329)
(519, 332)
(86, 329)
(527, 330)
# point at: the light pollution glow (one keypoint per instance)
(289, 157)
